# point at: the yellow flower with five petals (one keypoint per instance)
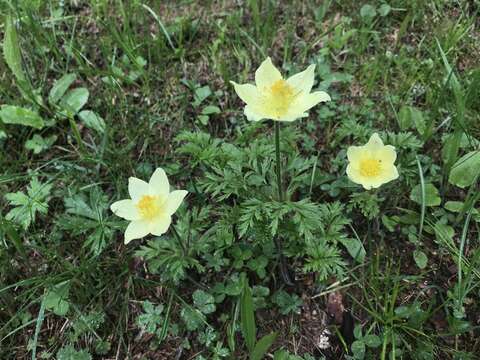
(372, 164)
(151, 206)
(278, 99)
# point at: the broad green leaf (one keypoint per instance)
(450, 148)
(368, 12)
(203, 119)
(409, 117)
(204, 301)
(403, 311)
(201, 94)
(11, 50)
(281, 355)
(38, 143)
(358, 349)
(74, 100)
(454, 206)
(384, 9)
(372, 341)
(151, 318)
(192, 318)
(389, 223)
(211, 109)
(465, 170)
(420, 259)
(247, 316)
(444, 233)
(457, 206)
(11, 114)
(60, 87)
(56, 298)
(357, 332)
(92, 120)
(354, 247)
(262, 346)
(432, 197)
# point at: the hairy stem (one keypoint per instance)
(281, 198)
(279, 165)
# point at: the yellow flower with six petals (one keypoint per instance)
(151, 206)
(372, 165)
(278, 99)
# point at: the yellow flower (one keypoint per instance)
(372, 165)
(151, 206)
(278, 99)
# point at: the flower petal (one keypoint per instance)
(355, 155)
(174, 200)
(266, 74)
(375, 142)
(293, 116)
(387, 154)
(159, 183)
(160, 225)
(136, 230)
(303, 103)
(137, 188)
(125, 209)
(354, 175)
(251, 114)
(389, 173)
(310, 100)
(303, 81)
(247, 92)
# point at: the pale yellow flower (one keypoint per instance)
(151, 206)
(372, 165)
(278, 99)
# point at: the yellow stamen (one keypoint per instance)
(148, 206)
(281, 96)
(370, 167)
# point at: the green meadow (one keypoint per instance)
(257, 179)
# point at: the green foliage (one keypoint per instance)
(257, 349)
(16, 115)
(39, 144)
(465, 170)
(204, 301)
(367, 203)
(11, 50)
(56, 299)
(69, 353)
(432, 197)
(151, 320)
(28, 205)
(100, 98)
(60, 87)
(287, 303)
(165, 256)
(88, 216)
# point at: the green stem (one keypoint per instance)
(179, 240)
(281, 198)
(279, 164)
(76, 133)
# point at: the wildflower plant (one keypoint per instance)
(273, 97)
(278, 99)
(372, 164)
(151, 206)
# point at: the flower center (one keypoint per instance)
(281, 96)
(148, 206)
(370, 167)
